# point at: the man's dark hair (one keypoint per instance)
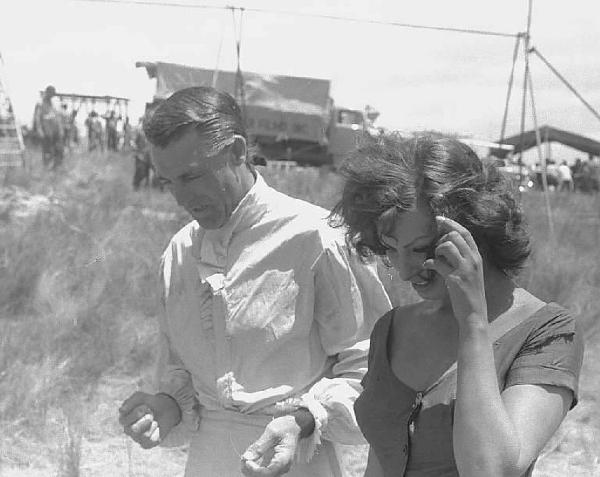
(388, 175)
(213, 114)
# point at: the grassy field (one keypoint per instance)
(78, 263)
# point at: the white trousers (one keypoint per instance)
(216, 449)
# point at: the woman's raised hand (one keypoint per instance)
(457, 259)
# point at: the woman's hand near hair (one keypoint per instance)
(484, 437)
(457, 259)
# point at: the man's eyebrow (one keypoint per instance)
(191, 173)
(186, 175)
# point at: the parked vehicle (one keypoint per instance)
(288, 118)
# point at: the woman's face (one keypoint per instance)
(411, 241)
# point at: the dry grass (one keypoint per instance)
(78, 304)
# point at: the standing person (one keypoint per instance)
(127, 134)
(266, 313)
(94, 128)
(74, 127)
(66, 120)
(552, 175)
(474, 379)
(142, 159)
(565, 177)
(576, 170)
(49, 128)
(97, 141)
(88, 126)
(112, 137)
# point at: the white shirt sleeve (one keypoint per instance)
(174, 379)
(349, 298)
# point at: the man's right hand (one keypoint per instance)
(148, 418)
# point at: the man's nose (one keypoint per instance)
(181, 194)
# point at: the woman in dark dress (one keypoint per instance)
(474, 379)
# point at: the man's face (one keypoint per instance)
(207, 186)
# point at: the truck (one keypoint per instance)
(288, 118)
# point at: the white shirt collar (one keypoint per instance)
(214, 243)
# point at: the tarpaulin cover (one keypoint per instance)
(550, 134)
(287, 107)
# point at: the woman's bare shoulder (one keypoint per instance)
(397, 316)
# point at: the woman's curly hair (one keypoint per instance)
(388, 174)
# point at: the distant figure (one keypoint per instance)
(552, 176)
(74, 128)
(49, 129)
(592, 176)
(111, 131)
(576, 169)
(127, 134)
(565, 177)
(66, 118)
(142, 159)
(88, 126)
(94, 128)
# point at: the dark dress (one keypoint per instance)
(410, 432)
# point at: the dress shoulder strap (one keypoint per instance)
(499, 327)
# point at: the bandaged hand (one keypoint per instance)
(273, 452)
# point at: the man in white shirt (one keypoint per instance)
(264, 336)
(565, 177)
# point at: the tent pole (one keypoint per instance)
(524, 97)
(523, 110)
(510, 85)
(565, 82)
(548, 145)
(215, 75)
(538, 141)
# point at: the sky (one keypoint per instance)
(416, 79)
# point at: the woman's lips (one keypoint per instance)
(423, 278)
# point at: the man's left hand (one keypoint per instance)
(279, 440)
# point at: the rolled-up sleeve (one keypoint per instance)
(349, 298)
(173, 378)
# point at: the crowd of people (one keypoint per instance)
(581, 176)
(55, 129)
(114, 135)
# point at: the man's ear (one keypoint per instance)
(239, 149)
